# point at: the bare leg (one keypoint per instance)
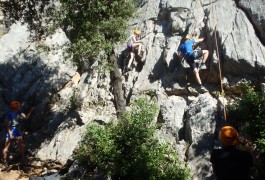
(205, 55)
(6, 148)
(139, 47)
(130, 60)
(197, 75)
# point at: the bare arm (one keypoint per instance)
(26, 116)
(180, 54)
(248, 146)
(135, 40)
(199, 40)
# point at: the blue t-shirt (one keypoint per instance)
(186, 48)
(13, 117)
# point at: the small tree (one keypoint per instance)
(94, 26)
(129, 149)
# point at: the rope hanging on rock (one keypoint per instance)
(220, 74)
(219, 63)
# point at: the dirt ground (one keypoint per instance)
(12, 175)
(33, 167)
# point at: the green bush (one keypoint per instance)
(94, 26)
(250, 114)
(36, 13)
(129, 149)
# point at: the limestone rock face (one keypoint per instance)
(66, 100)
(200, 125)
(172, 116)
(254, 10)
(2, 26)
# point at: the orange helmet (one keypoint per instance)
(15, 105)
(136, 31)
(229, 136)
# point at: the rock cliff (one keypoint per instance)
(41, 74)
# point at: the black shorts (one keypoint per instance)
(130, 47)
(193, 64)
(195, 55)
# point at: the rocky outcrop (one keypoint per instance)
(241, 58)
(41, 74)
(199, 129)
(2, 26)
(254, 11)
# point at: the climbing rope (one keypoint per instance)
(220, 73)
(219, 63)
(214, 24)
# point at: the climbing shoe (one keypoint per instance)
(5, 166)
(202, 66)
(203, 89)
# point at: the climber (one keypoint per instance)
(134, 44)
(186, 50)
(13, 133)
(229, 162)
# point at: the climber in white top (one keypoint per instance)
(134, 44)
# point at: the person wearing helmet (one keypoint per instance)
(230, 163)
(186, 50)
(134, 44)
(13, 132)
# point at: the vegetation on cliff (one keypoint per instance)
(129, 148)
(248, 114)
(93, 27)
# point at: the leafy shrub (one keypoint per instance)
(250, 113)
(94, 26)
(128, 149)
(36, 13)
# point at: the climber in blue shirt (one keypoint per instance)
(186, 50)
(13, 131)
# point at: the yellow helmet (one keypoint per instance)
(136, 31)
(15, 105)
(188, 37)
(229, 136)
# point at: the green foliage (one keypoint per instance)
(151, 92)
(76, 101)
(129, 149)
(94, 26)
(250, 111)
(249, 114)
(36, 13)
